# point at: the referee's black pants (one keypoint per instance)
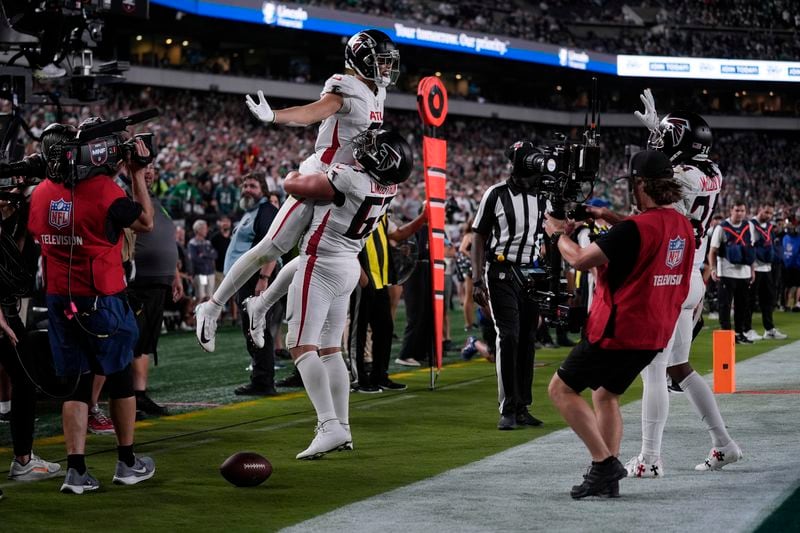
(733, 290)
(23, 401)
(370, 307)
(515, 319)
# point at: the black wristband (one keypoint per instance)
(262, 276)
(478, 282)
(555, 236)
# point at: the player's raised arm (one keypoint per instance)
(303, 115)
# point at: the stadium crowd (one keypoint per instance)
(683, 28)
(208, 141)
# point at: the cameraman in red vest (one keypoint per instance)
(79, 224)
(643, 269)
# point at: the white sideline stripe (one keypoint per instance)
(527, 487)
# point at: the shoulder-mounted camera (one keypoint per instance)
(70, 155)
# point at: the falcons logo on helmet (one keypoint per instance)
(389, 157)
(360, 40)
(677, 129)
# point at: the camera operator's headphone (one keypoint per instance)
(53, 139)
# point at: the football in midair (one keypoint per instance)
(246, 469)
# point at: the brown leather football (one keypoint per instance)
(246, 469)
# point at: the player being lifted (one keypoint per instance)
(352, 199)
(349, 104)
(686, 138)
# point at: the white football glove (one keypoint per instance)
(262, 111)
(650, 116)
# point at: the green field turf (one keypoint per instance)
(399, 438)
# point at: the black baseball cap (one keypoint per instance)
(650, 164)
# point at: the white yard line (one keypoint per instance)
(527, 487)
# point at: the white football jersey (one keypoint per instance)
(700, 190)
(361, 110)
(339, 229)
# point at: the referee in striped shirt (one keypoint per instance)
(508, 231)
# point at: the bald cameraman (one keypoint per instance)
(644, 265)
(78, 215)
(507, 233)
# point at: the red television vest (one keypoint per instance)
(96, 263)
(641, 314)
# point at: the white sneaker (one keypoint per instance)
(36, 469)
(719, 457)
(256, 320)
(775, 333)
(407, 362)
(713, 315)
(206, 315)
(752, 335)
(638, 467)
(329, 436)
(347, 446)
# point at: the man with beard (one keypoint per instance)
(256, 220)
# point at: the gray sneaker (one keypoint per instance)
(143, 469)
(36, 469)
(78, 484)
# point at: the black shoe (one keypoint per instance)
(369, 389)
(674, 388)
(447, 346)
(526, 419)
(599, 480)
(293, 380)
(147, 406)
(741, 339)
(254, 390)
(392, 385)
(5, 418)
(507, 422)
(283, 353)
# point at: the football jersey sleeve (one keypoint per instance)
(340, 177)
(689, 188)
(343, 86)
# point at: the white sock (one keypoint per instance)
(5, 407)
(280, 286)
(339, 379)
(702, 399)
(318, 388)
(655, 407)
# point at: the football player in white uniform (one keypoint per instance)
(350, 200)
(686, 138)
(349, 104)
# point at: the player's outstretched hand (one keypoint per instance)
(261, 110)
(650, 117)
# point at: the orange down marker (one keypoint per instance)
(724, 348)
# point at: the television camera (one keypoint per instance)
(564, 173)
(98, 145)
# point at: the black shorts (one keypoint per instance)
(588, 365)
(147, 303)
